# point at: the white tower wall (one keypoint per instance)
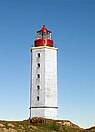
(44, 82)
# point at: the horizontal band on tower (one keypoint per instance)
(41, 47)
(44, 107)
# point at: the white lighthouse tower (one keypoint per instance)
(43, 93)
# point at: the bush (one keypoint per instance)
(56, 127)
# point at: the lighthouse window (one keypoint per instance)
(38, 75)
(37, 98)
(38, 87)
(38, 64)
(39, 35)
(38, 54)
(44, 34)
(49, 35)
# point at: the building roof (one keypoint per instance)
(44, 29)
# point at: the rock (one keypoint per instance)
(10, 125)
(32, 127)
(4, 130)
(12, 130)
(38, 120)
(67, 123)
(1, 129)
(7, 130)
(21, 126)
(1, 125)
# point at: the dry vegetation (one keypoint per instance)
(41, 125)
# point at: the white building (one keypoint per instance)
(43, 93)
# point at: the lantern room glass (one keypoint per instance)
(46, 35)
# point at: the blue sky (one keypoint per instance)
(72, 23)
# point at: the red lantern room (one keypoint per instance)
(43, 38)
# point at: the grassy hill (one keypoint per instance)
(41, 125)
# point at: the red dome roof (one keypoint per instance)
(44, 29)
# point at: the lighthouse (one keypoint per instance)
(43, 89)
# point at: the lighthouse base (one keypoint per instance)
(50, 113)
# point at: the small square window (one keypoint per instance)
(38, 54)
(38, 75)
(38, 64)
(38, 87)
(37, 98)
